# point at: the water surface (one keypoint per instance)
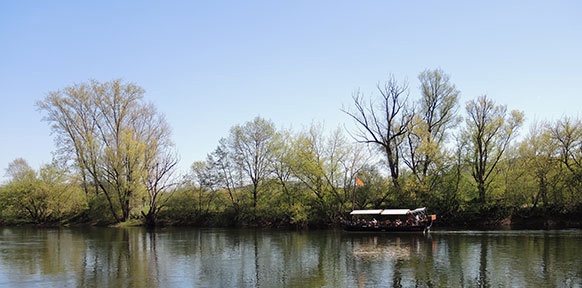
(188, 257)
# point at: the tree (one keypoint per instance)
(326, 166)
(40, 198)
(539, 152)
(205, 181)
(489, 130)
(282, 171)
(427, 134)
(159, 179)
(307, 166)
(383, 124)
(113, 136)
(567, 136)
(253, 152)
(222, 174)
(25, 197)
(19, 170)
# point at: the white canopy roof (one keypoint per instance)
(366, 212)
(395, 211)
(386, 211)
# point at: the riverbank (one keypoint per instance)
(488, 219)
(522, 218)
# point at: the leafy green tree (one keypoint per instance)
(25, 197)
(219, 173)
(251, 147)
(294, 211)
(66, 199)
(39, 198)
(113, 137)
(19, 170)
(375, 193)
(204, 181)
(566, 133)
(489, 130)
(326, 167)
(541, 165)
(425, 141)
(242, 161)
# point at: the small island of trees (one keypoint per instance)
(115, 163)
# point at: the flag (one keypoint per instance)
(359, 182)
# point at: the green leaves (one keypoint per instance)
(119, 144)
(41, 198)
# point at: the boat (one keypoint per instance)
(390, 220)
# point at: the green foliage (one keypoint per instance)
(258, 176)
(118, 143)
(183, 208)
(98, 210)
(39, 198)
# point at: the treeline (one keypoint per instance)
(116, 163)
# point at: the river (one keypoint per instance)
(189, 257)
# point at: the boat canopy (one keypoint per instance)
(366, 212)
(395, 211)
(388, 211)
(418, 211)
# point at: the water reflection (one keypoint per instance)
(135, 257)
(385, 247)
(383, 260)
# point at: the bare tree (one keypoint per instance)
(159, 178)
(384, 123)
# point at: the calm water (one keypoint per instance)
(181, 257)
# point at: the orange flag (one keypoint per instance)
(359, 182)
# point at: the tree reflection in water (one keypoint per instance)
(185, 257)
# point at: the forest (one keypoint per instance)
(473, 164)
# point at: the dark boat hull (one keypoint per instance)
(358, 228)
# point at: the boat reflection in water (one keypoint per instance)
(396, 246)
(188, 257)
(384, 259)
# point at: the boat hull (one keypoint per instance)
(389, 220)
(356, 228)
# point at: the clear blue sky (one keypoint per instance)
(209, 65)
